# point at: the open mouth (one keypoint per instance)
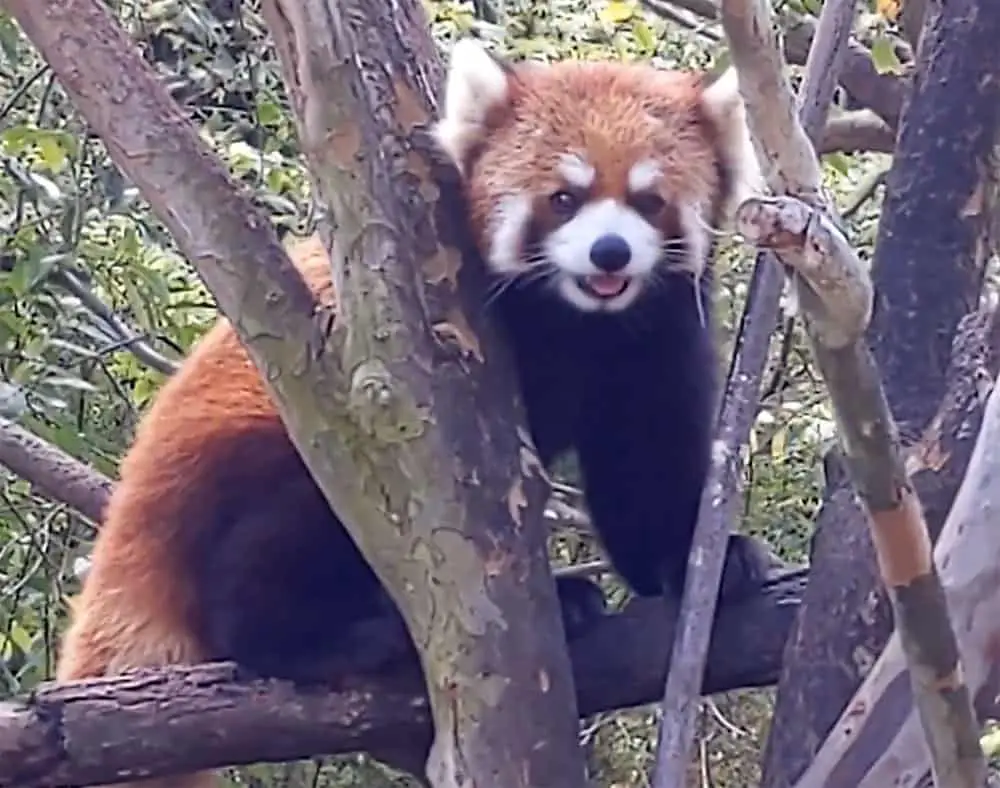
(604, 285)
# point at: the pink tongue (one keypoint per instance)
(606, 284)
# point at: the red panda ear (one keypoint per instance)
(722, 102)
(477, 84)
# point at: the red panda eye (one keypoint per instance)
(564, 203)
(648, 204)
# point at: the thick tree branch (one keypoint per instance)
(937, 213)
(100, 731)
(466, 563)
(861, 130)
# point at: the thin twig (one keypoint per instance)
(126, 337)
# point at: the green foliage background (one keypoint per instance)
(96, 304)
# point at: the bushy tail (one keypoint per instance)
(110, 633)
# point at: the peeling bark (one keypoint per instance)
(845, 619)
(879, 740)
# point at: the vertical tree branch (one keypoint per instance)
(933, 208)
(754, 60)
(362, 78)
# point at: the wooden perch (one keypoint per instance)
(760, 63)
(179, 719)
(867, 431)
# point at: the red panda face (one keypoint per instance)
(593, 179)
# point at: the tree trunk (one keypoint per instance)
(405, 386)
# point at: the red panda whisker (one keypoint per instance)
(538, 272)
(713, 231)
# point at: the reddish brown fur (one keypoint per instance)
(137, 607)
(616, 115)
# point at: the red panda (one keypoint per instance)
(593, 190)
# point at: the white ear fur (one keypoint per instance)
(724, 104)
(476, 83)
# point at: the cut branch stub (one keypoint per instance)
(830, 283)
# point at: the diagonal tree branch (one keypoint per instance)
(58, 476)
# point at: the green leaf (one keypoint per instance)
(616, 12)
(884, 56)
(269, 113)
(839, 162)
(51, 149)
(644, 35)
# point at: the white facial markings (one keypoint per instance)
(569, 249)
(644, 175)
(507, 226)
(576, 171)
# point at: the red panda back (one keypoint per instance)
(211, 431)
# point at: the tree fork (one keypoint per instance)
(360, 392)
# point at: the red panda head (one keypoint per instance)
(594, 177)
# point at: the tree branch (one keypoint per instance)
(880, 733)
(935, 239)
(58, 476)
(157, 723)
(466, 564)
(840, 631)
(861, 130)
(826, 274)
(881, 93)
(128, 338)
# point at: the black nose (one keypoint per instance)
(610, 253)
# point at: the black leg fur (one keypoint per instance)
(286, 593)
